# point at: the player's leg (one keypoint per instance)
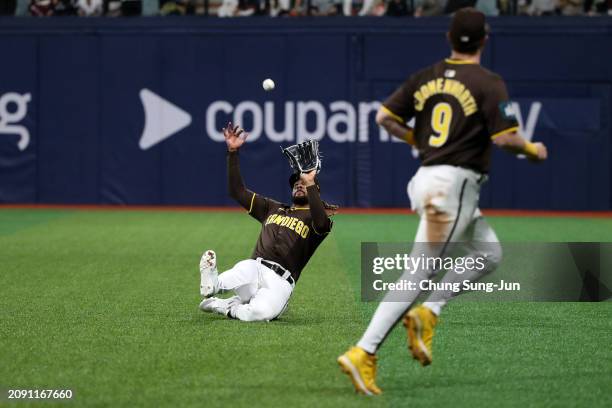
(359, 362)
(444, 199)
(480, 241)
(420, 321)
(268, 302)
(218, 305)
(390, 311)
(208, 273)
(243, 279)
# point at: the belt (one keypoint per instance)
(482, 177)
(279, 270)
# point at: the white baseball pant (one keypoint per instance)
(262, 294)
(446, 200)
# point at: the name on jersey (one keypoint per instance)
(293, 223)
(449, 87)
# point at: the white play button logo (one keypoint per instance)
(162, 119)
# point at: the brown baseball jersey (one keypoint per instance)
(288, 236)
(459, 107)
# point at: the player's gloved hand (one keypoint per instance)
(235, 136)
(304, 157)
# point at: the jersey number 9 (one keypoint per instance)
(441, 118)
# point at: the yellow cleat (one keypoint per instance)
(361, 368)
(420, 323)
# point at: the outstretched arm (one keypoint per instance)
(234, 138)
(320, 221)
(235, 185)
(257, 206)
(512, 142)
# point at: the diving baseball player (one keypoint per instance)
(460, 110)
(289, 236)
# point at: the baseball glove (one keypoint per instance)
(304, 157)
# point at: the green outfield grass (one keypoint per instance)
(105, 303)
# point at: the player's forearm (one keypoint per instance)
(398, 130)
(235, 185)
(515, 144)
(320, 220)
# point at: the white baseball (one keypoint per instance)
(268, 84)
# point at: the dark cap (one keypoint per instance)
(467, 30)
(296, 176)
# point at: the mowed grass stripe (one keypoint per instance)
(506, 354)
(106, 303)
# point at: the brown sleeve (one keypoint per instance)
(321, 223)
(400, 105)
(498, 110)
(261, 207)
(257, 206)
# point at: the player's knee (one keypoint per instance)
(245, 265)
(247, 268)
(492, 256)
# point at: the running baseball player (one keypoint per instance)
(460, 110)
(289, 236)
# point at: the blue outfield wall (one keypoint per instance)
(73, 91)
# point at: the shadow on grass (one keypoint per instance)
(291, 320)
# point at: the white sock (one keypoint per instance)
(385, 318)
(435, 307)
(389, 312)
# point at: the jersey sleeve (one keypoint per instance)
(498, 111)
(260, 207)
(400, 105)
(321, 223)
